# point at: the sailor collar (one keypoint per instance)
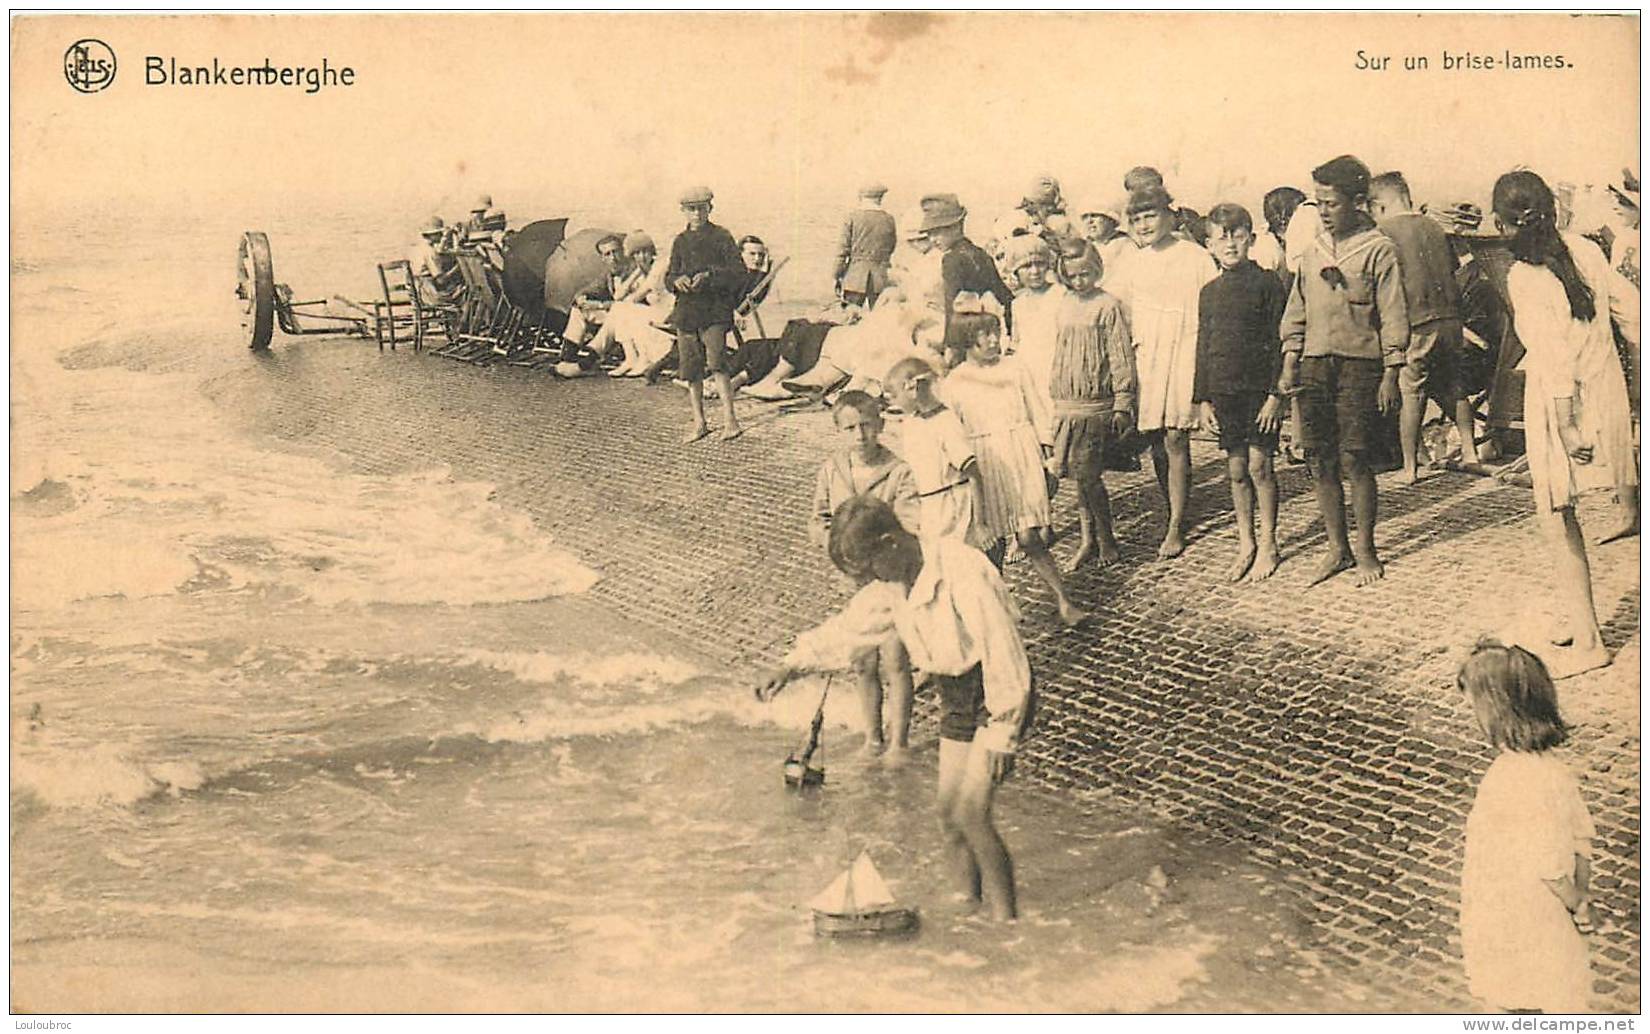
(1352, 247)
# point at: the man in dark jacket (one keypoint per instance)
(706, 273)
(964, 266)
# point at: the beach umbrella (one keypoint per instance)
(525, 254)
(572, 268)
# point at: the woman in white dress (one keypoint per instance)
(1577, 429)
(1158, 284)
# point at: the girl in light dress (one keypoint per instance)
(1524, 899)
(1158, 283)
(1577, 428)
(1036, 299)
(1006, 419)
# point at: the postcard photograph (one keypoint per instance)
(825, 513)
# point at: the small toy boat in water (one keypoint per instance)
(800, 770)
(858, 904)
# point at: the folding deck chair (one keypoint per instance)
(485, 322)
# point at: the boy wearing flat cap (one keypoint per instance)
(705, 272)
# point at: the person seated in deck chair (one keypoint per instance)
(434, 266)
(632, 322)
(590, 306)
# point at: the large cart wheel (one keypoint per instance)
(255, 288)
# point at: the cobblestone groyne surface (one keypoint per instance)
(1319, 727)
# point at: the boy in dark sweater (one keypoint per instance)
(1239, 358)
(705, 272)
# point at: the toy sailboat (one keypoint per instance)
(800, 770)
(858, 904)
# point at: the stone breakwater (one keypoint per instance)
(1320, 728)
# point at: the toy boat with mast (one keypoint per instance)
(800, 769)
(859, 904)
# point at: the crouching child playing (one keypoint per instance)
(949, 606)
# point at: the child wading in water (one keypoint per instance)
(864, 466)
(1239, 359)
(1002, 409)
(949, 606)
(1091, 386)
(1524, 901)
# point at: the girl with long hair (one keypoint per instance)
(1577, 428)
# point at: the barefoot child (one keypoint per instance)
(1578, 430)
(1524, 900)
(941, 457)
(1345, 333)
(1238, 362)
(705, 270)
(1432, 367)
(864, 466)
(1000, 406)
(1158, 284)
(1030, 260)
(1091, 384)
(950, 608)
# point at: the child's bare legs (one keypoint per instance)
(1576, 583)
(1627, 515)
(1326, 476)
(1412, 408)
(1094, 525)
(895, 664)
(1243, 505)
(1041, 562)
(1265, 482)
(1172, 460)
(730, 422)
(696, 406)
(1364, 510)
(979, 860)
(1576, 578)
(868, 668)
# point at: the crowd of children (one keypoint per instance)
(1179, 328)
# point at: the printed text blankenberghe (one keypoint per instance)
(166, 71)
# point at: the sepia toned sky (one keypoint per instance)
(543, 110)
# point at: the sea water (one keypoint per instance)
(288, 737)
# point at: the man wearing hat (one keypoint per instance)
(964, 265)
(433, 262)
(864, 249)
(705, 272)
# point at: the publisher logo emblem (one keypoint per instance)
(89, 65)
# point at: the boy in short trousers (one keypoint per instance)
(1345, 333)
